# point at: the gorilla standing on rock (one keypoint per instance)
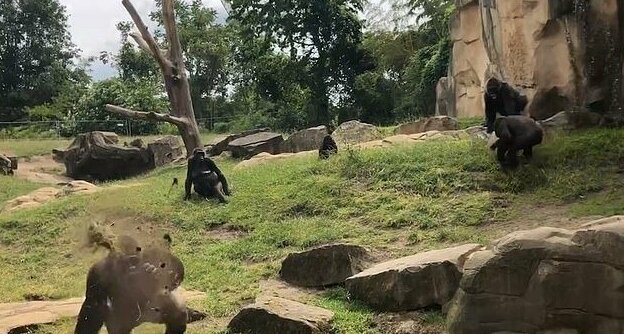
(132, 286)
(516, 133)
(500, 98)
(204, 175)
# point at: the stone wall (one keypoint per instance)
(564, 54)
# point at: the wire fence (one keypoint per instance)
(63, 129)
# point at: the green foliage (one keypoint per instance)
(136, 95)
(35, 56)
(317, 42)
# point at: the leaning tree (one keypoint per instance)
(175, 75)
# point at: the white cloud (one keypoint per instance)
(92, 25)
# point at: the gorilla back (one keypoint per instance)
(516, 133)
(131, 287)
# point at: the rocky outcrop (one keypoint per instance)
(572, 120)
(220, 144)
(438, 123)
(305, 140)
(563, 54)
(354, 132)
(7, 164)
(545, 280)
(98, 156)
(324, 266)
(165, 150)
(248, 146)
(44, 195)
(414, 282)
(277, 315)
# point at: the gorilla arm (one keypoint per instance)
(213, 167)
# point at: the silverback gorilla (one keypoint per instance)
(328, 148)
(132, 286)
(502, 99)
(205, 177)
(516, 133)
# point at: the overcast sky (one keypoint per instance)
(92, 25)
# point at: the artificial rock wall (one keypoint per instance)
(563, 54)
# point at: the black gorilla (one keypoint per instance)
(205, 177)
(516, 133)
(502, 99)
(328, 148)
(132, 286)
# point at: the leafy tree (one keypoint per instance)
(35, 55)
(133, 94)
(320, 39)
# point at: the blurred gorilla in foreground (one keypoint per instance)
(132, 286)
(501, 98)
(516, 133)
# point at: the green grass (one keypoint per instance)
(11, 187)
(465, 123)
(398, 201)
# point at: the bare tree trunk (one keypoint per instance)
(175, 75)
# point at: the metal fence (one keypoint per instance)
(60, 129)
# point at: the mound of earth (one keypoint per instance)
(44, 195)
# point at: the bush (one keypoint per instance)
(221, 127)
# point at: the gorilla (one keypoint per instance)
(516, 133)
(328, 148)
(205, 177)
(132, 286)
(501, 98)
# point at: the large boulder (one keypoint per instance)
(272, 315)
(437, 123)
(7, 164)
(545, 280)
(98, 156)
(324, 266)
(414, 282)
(247, 147)
(572, 120)
(355, 132)
(165, 150)
(562, 53)
(220, 144)
(305, 140)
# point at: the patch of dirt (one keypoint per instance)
(226, 233)
(47, 194)
(41, 169)
(406, 323)
(275, 288)
(529, 217)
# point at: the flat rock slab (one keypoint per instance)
(437, 123)
(324, 266)
(47, 194)
(305, 140)
(247, 147)
(19, 315)
(220, 144)
(271, 315)
(413, 282)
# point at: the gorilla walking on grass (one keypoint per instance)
(501, 98)
(205, 177)
(132, 286)
(516, 133)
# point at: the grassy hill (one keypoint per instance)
(394, 201)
